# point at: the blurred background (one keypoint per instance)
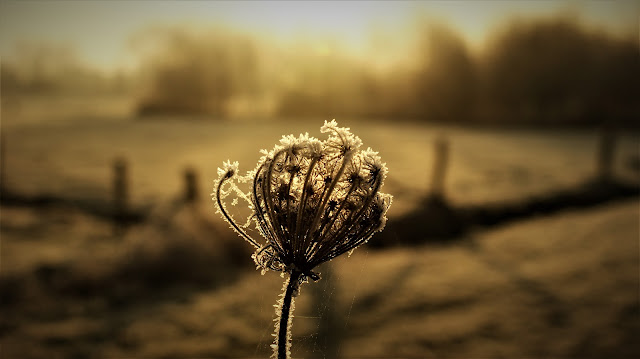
(510, 130)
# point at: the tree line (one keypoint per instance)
(544, 71)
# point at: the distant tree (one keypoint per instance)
(191, 73)
(37, 68)
(615, 83)
(329, 85)
(556, 71)
(446, 83)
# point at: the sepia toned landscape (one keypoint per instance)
(510, 136)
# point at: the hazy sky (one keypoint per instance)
(100, 31)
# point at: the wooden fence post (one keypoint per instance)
(190, 185)
(606, 153)
(120, 189)
(439, 169)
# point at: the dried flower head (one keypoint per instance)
(311, 200)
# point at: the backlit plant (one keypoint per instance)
(310, 202)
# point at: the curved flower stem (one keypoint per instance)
(283, 340)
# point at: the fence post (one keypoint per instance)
(606, 153)
(120, 189)
(190, 185)
(439, 169)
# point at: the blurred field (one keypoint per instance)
(556, 287)
(181, 284)
(74, 158)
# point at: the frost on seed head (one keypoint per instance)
(310, 200)
(228, 169)
(340, 139)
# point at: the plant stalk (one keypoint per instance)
(284, 328)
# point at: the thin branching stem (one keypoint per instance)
(265, 227)
(327, 227)
(303, 203)
(267, 195)
(326, 195)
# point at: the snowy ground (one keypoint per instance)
(563, 286)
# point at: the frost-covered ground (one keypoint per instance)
(564, 286)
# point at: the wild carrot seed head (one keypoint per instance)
(311, 200)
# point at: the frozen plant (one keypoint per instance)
(310, 201)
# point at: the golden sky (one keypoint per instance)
(100, 31)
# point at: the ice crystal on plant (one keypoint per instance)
(311, 200)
